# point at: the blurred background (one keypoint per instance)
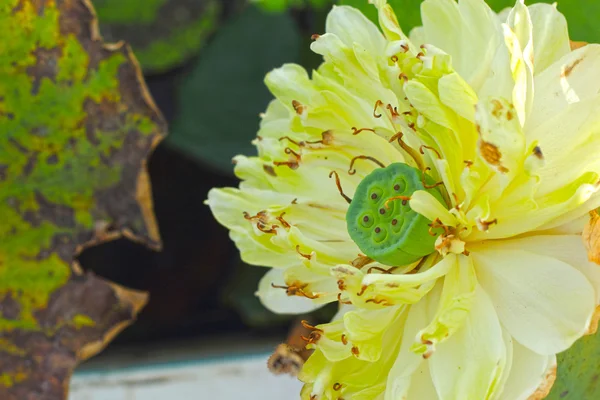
(204, 62)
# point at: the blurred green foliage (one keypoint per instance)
(128, 12)
(281, 5)
(220, 101)
(163, 33)
(407, 11)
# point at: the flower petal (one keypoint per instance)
(569, 80)
(455, 304)
(428, 206)
(277, 300)
(550, 35)
(470, 363)
(470, 32)
(566, 248)
(519, 41)
(528, 372)
(421, 385)
(351, 26)
(502, 143)
(401, 375)
(544, 303)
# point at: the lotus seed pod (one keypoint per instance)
(380, 220)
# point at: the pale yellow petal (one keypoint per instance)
(544, 303)
(469, 364)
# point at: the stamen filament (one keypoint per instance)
(352, 171)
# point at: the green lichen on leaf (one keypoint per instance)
(77, 127)
(163, 33)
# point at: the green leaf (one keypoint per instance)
(77, 125)
(577, 376)
(220, 101)
(163, 33)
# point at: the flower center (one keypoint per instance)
(381, 222)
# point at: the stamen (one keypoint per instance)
(339, 186)
(356, 131)
(292, 152)
(377, 105)
(355, 351)
(393, 110)
(339, 297)
(337, 386)
(341, 285)
(298, 107)
(405, 200)
(437, 153)
(425, 185)
(411, 152)
(294, 290)
(456, 201)
(344, 340)
(403, 77)
(261, 216)
(309, 326)
(269, 170)
(378, 301)
(289, 139)
(468, 163)
(382, 270)
(361, 261)
(307, 256)
(262, 221)
(326, 138)
(438, 224)
(352, 171)
(362, 290)
(291, 164)
(485, 225)
(263, 228)
(313, 337)
(311, 296)
(394, 58)
(315, 36)
(405, 47)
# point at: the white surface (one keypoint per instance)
(226, 379)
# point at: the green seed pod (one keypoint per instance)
(380, 220)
